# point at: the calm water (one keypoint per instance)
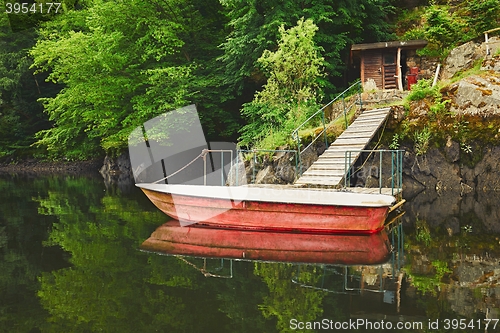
(70, 263)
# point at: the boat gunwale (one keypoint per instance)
(295, 195)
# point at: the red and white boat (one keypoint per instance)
(173, 239)
(272, 208)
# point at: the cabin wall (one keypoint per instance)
(375, 72)
(379, 69)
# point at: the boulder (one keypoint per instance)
(266, 176)
(117, 171)
(491, 64)
(238, 174)
(285, 167)
(433, 171)
(462, 58)
(487, 172)
(476, 95)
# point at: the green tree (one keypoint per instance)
(254, 28)
(20, 113)
(104, 60)
(124, 63)
(445, 27)
(481, 15)
(292, 88)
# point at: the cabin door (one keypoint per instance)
(389, 71)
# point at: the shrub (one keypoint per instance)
(291, 91)
(423, 89)
(481, 15)
(422, 139)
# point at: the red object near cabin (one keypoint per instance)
(412, 78)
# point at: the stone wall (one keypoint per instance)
(443, 169)
(278, 168)
(427, 65)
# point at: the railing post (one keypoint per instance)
(324, 128)
(296, 165)
(359, 93)
(345, 114)
(397, 170)
(392, 173)
(351, 173)
(222, 168)
(254, 166)
(401, 170)
(380, 173)
(205, 169)
(298, 152)
(345, 169)
(237, 167)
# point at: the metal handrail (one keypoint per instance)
(396, 167)
(342, 95)
(233, 161)
(222, 151)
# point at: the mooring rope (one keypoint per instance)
(202, 154)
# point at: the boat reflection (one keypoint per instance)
(173, 239)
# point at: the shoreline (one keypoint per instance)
(64, 167)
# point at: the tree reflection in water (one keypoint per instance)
(70, 263)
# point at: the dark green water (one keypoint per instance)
(69, 262)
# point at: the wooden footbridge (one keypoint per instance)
(335, 166)
(331, 167)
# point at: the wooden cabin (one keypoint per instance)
(384, 65)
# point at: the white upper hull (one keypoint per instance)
(277, 194)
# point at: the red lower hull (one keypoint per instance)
(270, 216)
(171, 238)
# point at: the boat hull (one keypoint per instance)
(172, 239)
(270, 216)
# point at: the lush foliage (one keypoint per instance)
(112, 65)
(481, 15)
(21, 115)
(423, 89)
(445, 27)
(291, 90)
(254, 28)
(122, 64)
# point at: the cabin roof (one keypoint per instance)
(408, 44)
